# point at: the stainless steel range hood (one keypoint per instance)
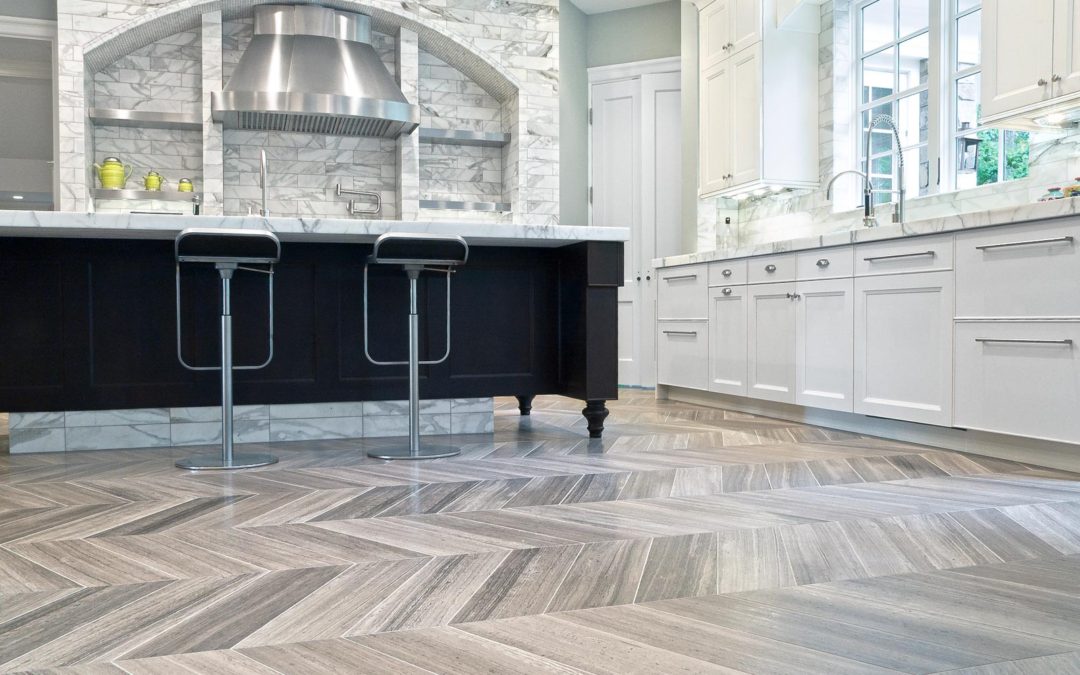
(312, 70)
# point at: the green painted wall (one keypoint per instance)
(637, 34)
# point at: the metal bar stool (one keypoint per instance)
(228, 251)
(415, 253)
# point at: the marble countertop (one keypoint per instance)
(147, 226)
(1060, 208)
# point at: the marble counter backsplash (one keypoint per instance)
(169, 427)
(1060, 208)
(154, 226)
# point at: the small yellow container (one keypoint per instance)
(185, 185)
(153, 181)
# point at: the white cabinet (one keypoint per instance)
(682, 352)
(727, 340)
(770, 321)
(682, 292)
(903, 346)
(727, 27)
(824, 316)
(754, 136)
(1030, 72)
(1020, 378)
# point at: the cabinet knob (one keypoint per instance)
(726, 273)
(726, 291)
(1055, 78)
(770, 268)
(1041, 82)
(823, 263)
(793, 296)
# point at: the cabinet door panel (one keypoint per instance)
(745, 24)
(1016, 60)
(903, 346)
(823, 339)
(715, 128)
(1066, 47)
(745, 123)
(771, 342)
(714, 32)
(682, 350)
(1019, 378)
(727, 340)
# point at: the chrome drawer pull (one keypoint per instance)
(1066, 341)
(823, 263)
(726, 291)
(770, 268)
(680, 332)
(875, 258)
(726, 273)
(1029, 242)
(681, 276)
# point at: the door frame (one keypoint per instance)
(636, 70)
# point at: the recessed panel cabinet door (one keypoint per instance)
(823, 344)
(745, 24)
(903, 346)
(714, 32)
(1017, 53)
(727, 340)
(771, 342)
(745, 102)
(1066, 76)
(715, 128)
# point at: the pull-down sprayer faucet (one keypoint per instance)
(868, 186)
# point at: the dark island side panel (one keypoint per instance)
(90, 324)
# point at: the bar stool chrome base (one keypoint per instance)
(423, 452)
(240, 460)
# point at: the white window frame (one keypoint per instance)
(942, 132)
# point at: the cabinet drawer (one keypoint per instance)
(771, 268)
(829, 263)
(1020, 378)
(1031, 270)
(683, 293)
(727, 273)
(920, 254)
(682, 354)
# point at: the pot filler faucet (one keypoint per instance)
(868, 186)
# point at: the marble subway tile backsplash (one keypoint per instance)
(169, 427)
(165, 76)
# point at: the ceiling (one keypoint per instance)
(601, 6)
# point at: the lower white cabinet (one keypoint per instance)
(770, 330)
(727, 340)
(824, 318)
(903, 346)
(1020, 378)
(682, 349)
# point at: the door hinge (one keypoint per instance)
(590, 194)
(590, 115)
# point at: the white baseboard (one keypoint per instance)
(1063, 456)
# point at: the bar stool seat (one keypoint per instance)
(228, 250)
(415, 253)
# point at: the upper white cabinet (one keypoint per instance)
(903, 346)
(1031, 59)
(757, 100)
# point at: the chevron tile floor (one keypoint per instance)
(689, 540)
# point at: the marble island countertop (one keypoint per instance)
(1060, 208)
(150, 226)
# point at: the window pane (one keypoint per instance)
(914, 119)
(914, 16)
(1016, 154)
(962, 5)
(968, 149)
(968, 43)
(967, 102)
(877, 25)
(877, 75)
(914, 61)
(881, 139)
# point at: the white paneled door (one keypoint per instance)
(636, 176)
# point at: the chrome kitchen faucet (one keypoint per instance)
(868, 185)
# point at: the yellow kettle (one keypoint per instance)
(112, 173)
(153, 181)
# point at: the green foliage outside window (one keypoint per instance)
(1017, 151)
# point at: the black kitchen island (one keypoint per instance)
(89, 320)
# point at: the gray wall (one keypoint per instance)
(573, 116)
(690, 140)
(29, 9)
(637, 34)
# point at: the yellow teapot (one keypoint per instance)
(153, 181)
(112, 173)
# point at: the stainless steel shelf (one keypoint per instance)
(463, 137)
(145, 119)
(463, 206)
(159, 195)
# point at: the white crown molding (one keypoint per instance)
(624, 71)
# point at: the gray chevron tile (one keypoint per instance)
(604, 573)
(329, 657)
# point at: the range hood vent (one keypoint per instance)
(312, 70)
